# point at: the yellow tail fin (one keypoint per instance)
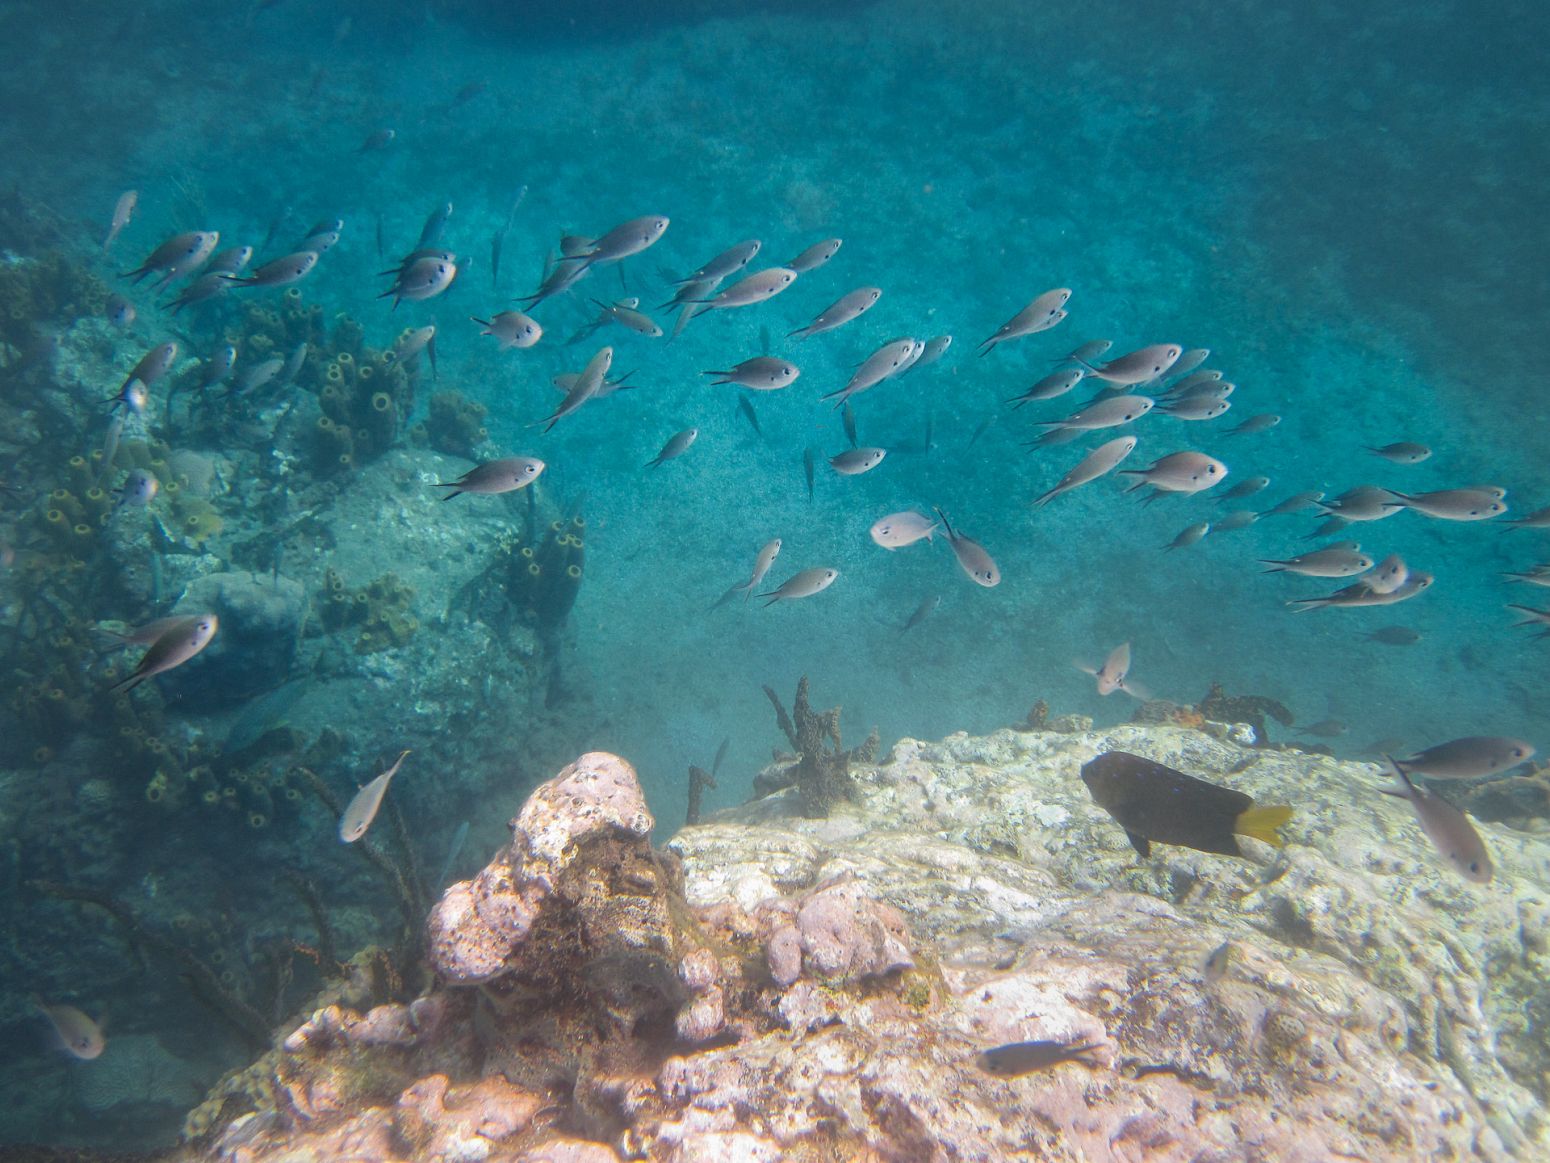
(1261, 823)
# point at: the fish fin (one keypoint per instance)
(1261, 823)
(1140, 843)
(1135, 690)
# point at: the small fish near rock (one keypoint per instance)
(1020, 1058)
(1156, 804)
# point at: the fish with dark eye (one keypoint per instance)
(1099, 462)
(728, 262)
(435, 223)
(897, 530)
(1196, 408)
(120, 311)
(855, 461)
(1188, 536)
(138, 490)
(751, 289)
(624, 240)
(1057, 383)
(1476, 504)
(505, 475)
(1263, 422)
(1446, 827)
(1235, 520)
(413, 341)
(847, 307)
(511, 329)
(1402, 452)
(76, 1034)
(1040, 315)
(1179, 472)
(423, 279)
(888, 360)
(761, 566)
(1156, 804)
(1138, 367)
(1019, 1058)
(1471, 757)
(176, 645)
(1343, 559)
(206, 288)
(936, 347)
(802, 584)
(676, 446)
(281, 272)
(625, 313)
(971, 555)
(815, 256)
(1088, 352)
(762, 373)
(1188, 362)
(178, 255)
(1357, 595)
(1110, 413)
(365, 804)
(1388, 575)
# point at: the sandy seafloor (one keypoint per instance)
(1345, 207)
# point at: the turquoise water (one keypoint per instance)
(1345, 207)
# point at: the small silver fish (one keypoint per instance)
(1471, 757)
(1099, 462)
(728, 262)
(1402, 452)
(1245, 488)
(1110, 413)
(123, 211)
(258, 375)
(1235, 520)
(897, 530)
(761, 566)
(78, 1035)
(511, 329)
(1111, 675)
(362, 809)
(414, 340)
(231, 261)
(1358, 595)
(1196, 408)
(217, 367)
(293, 365)
(626, 239)
(1296, 503)
(934, 350)
(177, 644)
(751, 289)
(435, 223)
(677, 445)
(1388, 575)
(495, 476)
(1179, 472)
(625, 314)
(815, 256)
(1140, 366)
(180, 253)
(138, 489)
(843, 310)
(1189, 536)
(380, 139)
(923, 611)
(971, 555)
(423, 279)
(1040, 315)
(281, 272)
(1260, 423)
(855, 461)
(763, 373)
(585, 388)
(558, 278)
(1343, 559)
(120, 312)
(143, 635)
(1476, 504)
(1057, 383)
(204, 289)
(1363, 503)
(888, 360)
(1446, 827)
(803, 584)
(153, 365)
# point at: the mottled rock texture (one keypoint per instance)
(774, 987)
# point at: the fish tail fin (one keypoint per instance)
(1261, 823)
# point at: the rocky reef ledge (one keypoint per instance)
(769, 987)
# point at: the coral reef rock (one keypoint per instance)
(772, 986)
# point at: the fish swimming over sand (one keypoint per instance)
(1179, 472)
(626, 239)
(1477, 504)
(855, 461)
(1020, 1058)
(1156, 804)
(762, 373)
(888, 360)
(586, 386)
(728, 262)
(1359, 595)
(751, 289)
(1245, 488)
(1388, 575)
(119, 311)
(178, 255)
(1446, 827)
(1057, 383)
(1099, 462)
(761, 566)
(505, 475)
(971, 555)
(1263, 422)
(1188, 536)
(176, 645)
(843, 310)
(923, 611)
(1138, 367)
(1471, 757)
(380, 139)
(1039, 315)
(1403, 452)
(897, 530)
(1343, 559)
(1110, 413)
(511, 329)
(676, 446)
(362, 809)
(803, 584)
(815, 256)
(423, 279)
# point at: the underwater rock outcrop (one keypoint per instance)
(773, 986)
